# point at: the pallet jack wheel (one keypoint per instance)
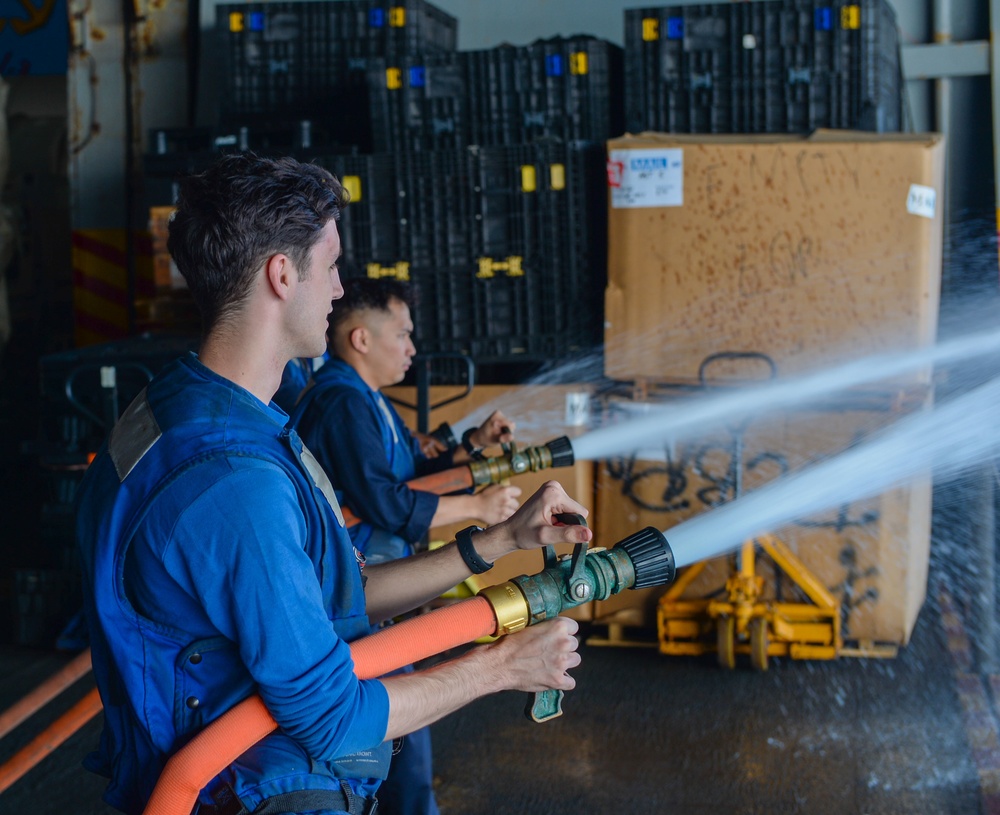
(759, 640)
(725, 644)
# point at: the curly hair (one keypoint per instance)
(237, 213)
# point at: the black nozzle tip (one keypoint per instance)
(651, 556)
(562, 452)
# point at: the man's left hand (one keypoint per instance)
(497, 429)
(430, 446)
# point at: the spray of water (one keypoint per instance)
(671, 422)
(950, 438)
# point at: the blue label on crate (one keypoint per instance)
(376, 18)
(554, 65)
(418, 76)
(256, 21)
(823, 19)
(675, 28)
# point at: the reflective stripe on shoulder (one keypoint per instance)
(322, 480)
(133, 436)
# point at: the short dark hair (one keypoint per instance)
(241, 210)
(365, 293)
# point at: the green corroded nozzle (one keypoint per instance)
(641, 560)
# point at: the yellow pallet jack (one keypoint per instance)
(744, 622)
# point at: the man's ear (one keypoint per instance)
(279, 272)
(359, 339)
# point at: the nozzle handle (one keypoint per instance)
(544, 705)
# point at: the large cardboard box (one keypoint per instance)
(872, 554)
(807, 250)
(540, 414)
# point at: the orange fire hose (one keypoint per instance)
(239, 728)
(44, 693)
(50, 738)
(442, 483)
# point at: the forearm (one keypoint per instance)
(537, 658)
(402, 585)
(420, 699)
(454, 508)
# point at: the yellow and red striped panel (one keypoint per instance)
(100, 282)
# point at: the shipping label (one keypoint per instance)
(646, 178)
(921, 201)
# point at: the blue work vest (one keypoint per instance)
(397, 447)
(173, 438)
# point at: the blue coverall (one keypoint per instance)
(216, 565)
(369, 454)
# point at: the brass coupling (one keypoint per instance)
(515, 462)
(489, 471)
(509, 606)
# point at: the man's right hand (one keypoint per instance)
(536, 658)
(497, 503)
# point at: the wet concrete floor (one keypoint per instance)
(646, 733)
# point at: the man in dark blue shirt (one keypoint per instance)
(369, 454)
(362, 443)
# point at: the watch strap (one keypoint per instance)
(475, 452)
(468, 552)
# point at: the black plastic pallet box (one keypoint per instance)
(310, 59)
(773, 66)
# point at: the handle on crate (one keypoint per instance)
(547, 704)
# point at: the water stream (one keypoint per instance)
(673, 422)
(946, 440)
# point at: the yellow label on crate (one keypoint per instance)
(397, 16)
(393, 79)
(352, 183)
(399, 271)
(529, 179)
(650, 29)
(236, 21)
(488, 267)
(557, 176)
(850, 17)
(578, 65)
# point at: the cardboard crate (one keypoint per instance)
(540, 416)
(872, 554)
(810, 250)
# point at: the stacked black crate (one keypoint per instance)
(539, 273)
(775, 66)
(419, 102)
(310, 60)
(295, 82)
(503, 195)
(371, 241)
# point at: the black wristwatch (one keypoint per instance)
(468, 552)
(475, 452)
